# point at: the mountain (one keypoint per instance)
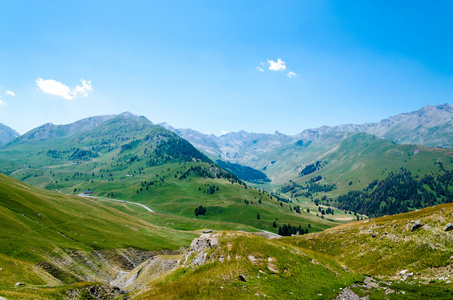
(7, 134)
(430, 126)
(280, 156)
(375, 177)
(50, 130)
(127, 157)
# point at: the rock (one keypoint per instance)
(373, 235)
(199, 249)
(19, 283)
(448, 227)
(417, 225)
(408, 275)
(242, 278)
(401, 273)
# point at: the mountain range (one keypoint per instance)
(113, 205)
(277, 155)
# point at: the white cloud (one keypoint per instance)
(11, 93)
(279, 65)
(223, 132)
(56, 88)
(291, 74)
(259, 69)
(84, 89)
(2, 103)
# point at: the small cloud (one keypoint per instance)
(291, 74)
(223, 132)
(279, 65)
(2, 103)
(11, 93)
(259, 69)
(84, 89)
(53, 87)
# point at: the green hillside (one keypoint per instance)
(51, 238)
(361, 160)
(128, 158)
(385, 247)
(270, 269)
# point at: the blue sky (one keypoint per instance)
(222, 66)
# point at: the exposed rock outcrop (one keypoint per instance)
(199, 248)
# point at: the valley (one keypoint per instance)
(116, 207)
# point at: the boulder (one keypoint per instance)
(19, 283)
(242, 278)
(417, 225)
(448, 227)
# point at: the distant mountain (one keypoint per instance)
(430, 126)
(280, 155)
(50, 130)
(7, 134)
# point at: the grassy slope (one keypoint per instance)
(293, 273)
(35, 223)
(426, 251)
(362, 158)
(109, 172)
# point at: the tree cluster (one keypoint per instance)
(398, 193)
(200, 210)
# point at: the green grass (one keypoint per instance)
(393, 247)
(361, 158)
(38, 225)
(293, 273)
(110, 172)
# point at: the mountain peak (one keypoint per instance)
(7, 134)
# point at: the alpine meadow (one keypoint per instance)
(226, 150)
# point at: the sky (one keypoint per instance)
(223, 66)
